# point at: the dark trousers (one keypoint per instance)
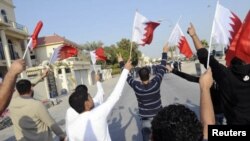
(146, 128)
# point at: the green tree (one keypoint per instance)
(124, 49)
(111, 52)
(204, 43)
(91, 45)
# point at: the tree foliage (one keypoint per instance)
(123, 47)
(89, 46)
(204, 43)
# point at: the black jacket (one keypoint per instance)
(214, 90)
(235, 89)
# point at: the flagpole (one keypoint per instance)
(52, 57)
(175, 47)
(131, 42)
(210, 42)
(179, 19)
(130, 53)
(171, 48)
(27, 47)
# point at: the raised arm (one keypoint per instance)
(98, 99)
(202, 53)
(130, 79)
(7, 87)
(183, 75)
(38, 79)
(162, 67)
(191, 31)
(206, 106)
(104, 109)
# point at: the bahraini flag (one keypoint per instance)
(225, 27)
(143, 29)
(177, 38)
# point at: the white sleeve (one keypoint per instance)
(104, 109)
(71, 115)
(98, 99)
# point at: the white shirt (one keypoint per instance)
(92, 125)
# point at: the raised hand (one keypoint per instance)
(119, 57)
(97, 77)
(17, 66)
(191, 30)
(128, 65)
(165, 48)
(169, 68)
(206, 79)
(45, 73)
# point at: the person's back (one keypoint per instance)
(147, 92)
(86, 119)
(31, 120)
(26, 119)
(92, 125)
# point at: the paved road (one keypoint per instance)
(123, 121)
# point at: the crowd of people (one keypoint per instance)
(224, 94)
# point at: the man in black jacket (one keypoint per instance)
(214, 90)
(234, 83)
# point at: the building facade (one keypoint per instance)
(13, 37)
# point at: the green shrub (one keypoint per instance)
(116, 71)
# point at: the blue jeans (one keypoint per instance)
(146, 129)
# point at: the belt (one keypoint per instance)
(146, 118)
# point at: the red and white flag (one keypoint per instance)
(98, 54)
(242, 41)
(33, 40)
(225, 27)
(177, 38)
(143, 29)
(63, 52)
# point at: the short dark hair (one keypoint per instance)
(176, 123)
(23, 86)
(144, 74)
(77, 100)
(81, 88)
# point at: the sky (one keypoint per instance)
(109, 21)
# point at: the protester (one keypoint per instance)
(215, 93)
(35, 81)
(86, 120)
(234, 83)
(178, 123)
(8, 84)
(147, 92)
(206, 105)
(31, 120)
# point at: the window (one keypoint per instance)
(11, 49)
(67, 70)
(4, 15)
(2, 57)
(60, 71)
(33, 57)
